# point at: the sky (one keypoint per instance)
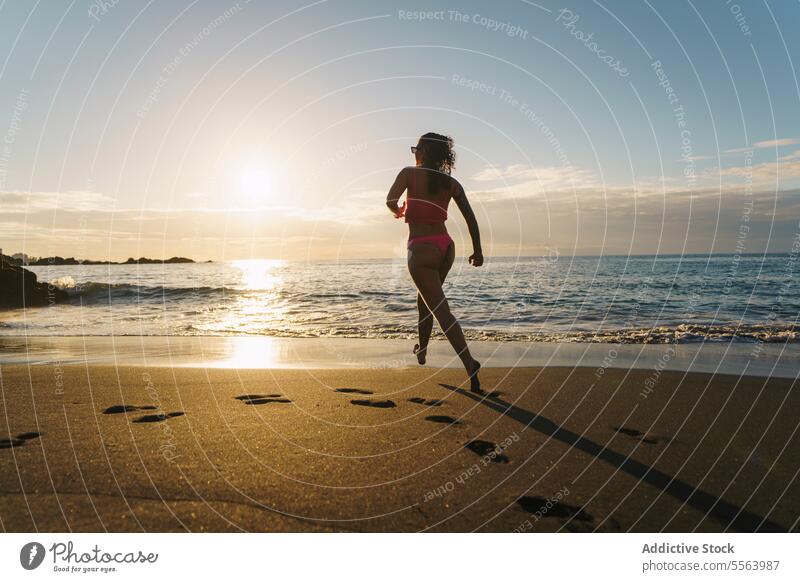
(234, 130)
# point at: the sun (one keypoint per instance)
(255, 182)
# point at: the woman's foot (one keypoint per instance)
(420, 353)
(474, 382)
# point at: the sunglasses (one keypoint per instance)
(415, 149)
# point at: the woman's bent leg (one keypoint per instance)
(424, 263)
(425, 322)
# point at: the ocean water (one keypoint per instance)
(636, 299)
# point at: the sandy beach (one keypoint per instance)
(136, 448)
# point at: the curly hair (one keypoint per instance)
(438, 155)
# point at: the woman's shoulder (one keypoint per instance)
(406, 172)
(456, 189)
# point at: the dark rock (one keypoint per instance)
(146, 261)
(44, 261)
(19, 288)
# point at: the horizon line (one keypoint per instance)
(101, 262)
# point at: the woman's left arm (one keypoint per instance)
(476, 259)
(395, 192)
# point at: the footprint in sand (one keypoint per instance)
(650, 439)
(374, 403)
(121, 408)
(418, 400)
(18, 440)
(158, 417)
(487, 449)
(443, 419)
(550, 508)
(256, 396)
(253, 399)
(256, 401)
(354, 391)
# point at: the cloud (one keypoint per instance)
(352, 209)
(762, 145)
(518, 207)
(766, 174)
(517, 172)
(523, 181)
(795, 155)
(19, 202)
(759, 145)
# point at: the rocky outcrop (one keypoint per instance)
(19, 288)
(60, 261)
(146, 261)
(44, 261)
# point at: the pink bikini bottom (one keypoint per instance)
(443, 241)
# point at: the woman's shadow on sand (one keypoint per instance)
(726, 513)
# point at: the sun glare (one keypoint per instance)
(255, 183)
(250, 352)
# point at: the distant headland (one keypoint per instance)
(22, 260)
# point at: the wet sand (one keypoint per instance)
(99, 448)
(776, 360)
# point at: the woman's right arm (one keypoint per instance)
(472, 224)
(397, 189)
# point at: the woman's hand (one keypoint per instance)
(476, 259)
(399, 212)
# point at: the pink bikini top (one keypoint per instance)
(429, 210)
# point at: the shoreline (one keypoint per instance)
(262, 352)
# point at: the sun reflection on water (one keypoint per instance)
(259, 274)
(256, 307)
